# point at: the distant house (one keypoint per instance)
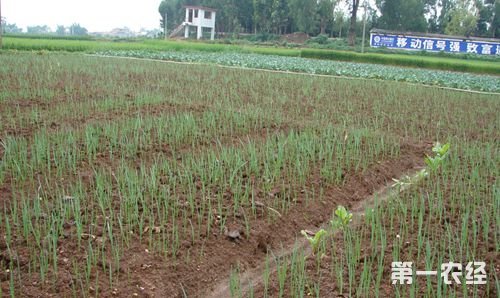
(148, 33)
(199, 17)
(122, 32)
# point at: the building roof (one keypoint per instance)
(200, 7)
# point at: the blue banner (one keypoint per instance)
(433, 44)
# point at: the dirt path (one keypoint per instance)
(253, 276)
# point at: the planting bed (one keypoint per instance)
(448, 79)
(138, 178)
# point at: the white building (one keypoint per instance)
(199, 17)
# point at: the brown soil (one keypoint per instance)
(212, 257)
(73, 122)
(253, 276)
(330, 288)
(202, 266)
(297, 37)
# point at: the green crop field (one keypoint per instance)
(130, 177)
(33, 43)
(446, 79)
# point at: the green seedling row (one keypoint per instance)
(102, 160)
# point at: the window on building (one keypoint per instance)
(208, 14)
(190, 16)
(196, 13)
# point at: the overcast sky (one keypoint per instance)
(95, 15)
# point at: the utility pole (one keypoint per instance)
(165, 26)
(364, 28)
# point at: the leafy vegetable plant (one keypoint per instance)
(400, 183)
(407, 180)
(433, 163)
(314, 241)
(441, 152)
(342, 218)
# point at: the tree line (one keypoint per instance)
(74, 29)
(336, 17)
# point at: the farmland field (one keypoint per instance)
(447, 79)
(138, 178)
(439, 61)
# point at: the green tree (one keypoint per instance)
(76, 29)
(446, 7)
(1, 24)
(402, 15)
(173, 11)
(354, 5)
(163, 10)
(232, 15)
(60, 30)
(339, 23)
(244, 11)
(44, 29)
(307, 20)
(262, 15)
(495, 24)
(432, 10)
(486, 14)
(304, 15)
(463, 18)
(279, 16)
(11, 28)
(326, 9)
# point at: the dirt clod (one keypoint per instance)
(233, 234)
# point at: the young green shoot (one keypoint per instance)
(315, 240)
(341, 219)
(441, 152)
